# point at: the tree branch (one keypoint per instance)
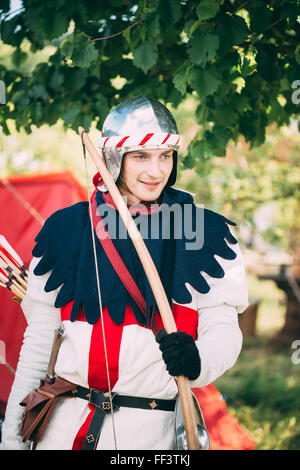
(285, 37)
(117, 34)
(240, 6)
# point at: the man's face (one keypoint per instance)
(145, 173)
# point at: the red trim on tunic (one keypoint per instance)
(79, 439)
(97, 377)
(186, 320)
(65, 312)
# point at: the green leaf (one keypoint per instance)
(69, 117)
(190, 26)
(290, 11)
(205, 82)
(221, 137)
(126, 35)
(207, 9)
(56, 80)
(247, 125)
(240, 102)
(170, 11)
(84, 53)
(53, 25)
(203, 47)
(202, 112)
(36, 111)
(142, 31)
(228, 61)
(83, 120)
(293, 72)
(74, 78)
(102, 109)
(201, 150)
(233, 30)
(153, 25)
(174, 97)
(277, 114)
(189, 160)
(260, 18)
(145, 56)
(11, 33)
(246, 67)
(180, 78)
(216, 140)
(55, 58)
(297, 54)
(225, 116)
(67, 48)
(38, 91)
(267, 62)
(175, 10)
(18, 57)
(20, 99)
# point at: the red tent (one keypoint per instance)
(26, 201)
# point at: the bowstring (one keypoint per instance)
(99, 290)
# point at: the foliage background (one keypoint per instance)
(228, 71)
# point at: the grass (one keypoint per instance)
(263, 388)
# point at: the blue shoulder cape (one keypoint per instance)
(64, 245)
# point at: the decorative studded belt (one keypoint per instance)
(102, 404)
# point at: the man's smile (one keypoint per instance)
(150, 185)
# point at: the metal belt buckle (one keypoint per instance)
(101, 400)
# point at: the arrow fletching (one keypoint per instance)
(13, 273)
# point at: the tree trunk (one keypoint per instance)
(291, 328)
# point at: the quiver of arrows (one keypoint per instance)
(13, 273)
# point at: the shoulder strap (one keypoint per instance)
(116, 260)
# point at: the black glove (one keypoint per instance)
(180, 354)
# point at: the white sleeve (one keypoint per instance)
(219, 336)
(42, 318)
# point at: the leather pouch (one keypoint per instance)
(40, 404)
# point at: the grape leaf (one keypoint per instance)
(145, 56)
(19, 57)
(203, 47)
(67, 48)
(180, 78)
(205, 82)
(84, 53)
(232, 29)
(260, 18)
(207, 9)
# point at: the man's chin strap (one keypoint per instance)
(99, 293)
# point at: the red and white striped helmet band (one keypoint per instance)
(143, 140)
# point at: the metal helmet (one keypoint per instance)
(134, 124)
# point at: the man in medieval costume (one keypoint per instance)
(109, 343)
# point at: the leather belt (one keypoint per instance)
(102, 404)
